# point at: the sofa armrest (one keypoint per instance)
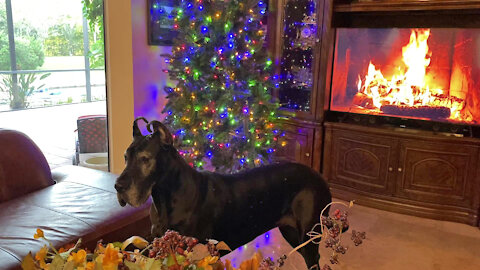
(23, 167)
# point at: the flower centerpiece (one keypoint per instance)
(173, 251)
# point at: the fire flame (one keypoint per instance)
(408, 91)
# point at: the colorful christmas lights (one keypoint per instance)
(221, 108)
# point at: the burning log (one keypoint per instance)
(363, 100)
(417, 111)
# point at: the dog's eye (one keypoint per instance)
(144, 159)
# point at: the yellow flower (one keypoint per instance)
(207, 261)
(39, 234)
(90, 266)
(111, 258)
(251, 264)
(40, 257)
(41, 254)
(79, 258)
(228, 265)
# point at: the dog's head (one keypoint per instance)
(135, 184)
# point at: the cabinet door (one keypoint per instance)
(437, 172)
(361, 161)
(299, 145)
(296, 58)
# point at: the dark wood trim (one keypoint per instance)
(407, 14)
(403, 206)
(272, 19)
(305, 115)
(317, 149)
(404, 133)
(326, 50)
(299, 122)
(476, 192)
(327, 153)
(469, 18)
(276, 9)
(405, 5)
(317, 59)
(274, 23)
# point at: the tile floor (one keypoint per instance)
(394, 241)
(52, 128)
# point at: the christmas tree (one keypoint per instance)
(221, 109)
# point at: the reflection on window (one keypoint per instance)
(296, 78)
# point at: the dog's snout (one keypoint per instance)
(119, 187)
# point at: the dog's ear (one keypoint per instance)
(165, 135)
(136, 131)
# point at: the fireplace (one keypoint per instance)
(415, 73)
(402, 106)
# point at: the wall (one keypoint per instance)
(148, 76)
(118, 49)
(135, 79)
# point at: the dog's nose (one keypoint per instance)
(119, 187)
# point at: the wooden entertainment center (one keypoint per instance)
(425, 169)
(411, 172)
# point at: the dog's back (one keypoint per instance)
(284, 195)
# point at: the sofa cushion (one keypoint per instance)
(23, 168)
(83, 204)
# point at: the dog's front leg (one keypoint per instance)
(159, 224)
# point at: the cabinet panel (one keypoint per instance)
(436, 172)
(363, 162)
(299, 145)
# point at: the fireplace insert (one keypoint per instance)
(426, 78)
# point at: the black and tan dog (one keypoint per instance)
(232, 208)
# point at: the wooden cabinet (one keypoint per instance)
(404, 170)
(421, 174)
(362, 162)
(297, 43)
(299, 145)
(436, 172)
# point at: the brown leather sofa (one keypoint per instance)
(67, 203)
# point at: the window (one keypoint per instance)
(52, 78)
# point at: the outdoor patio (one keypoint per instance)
(52, 128)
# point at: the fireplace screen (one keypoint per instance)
(429, 74)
